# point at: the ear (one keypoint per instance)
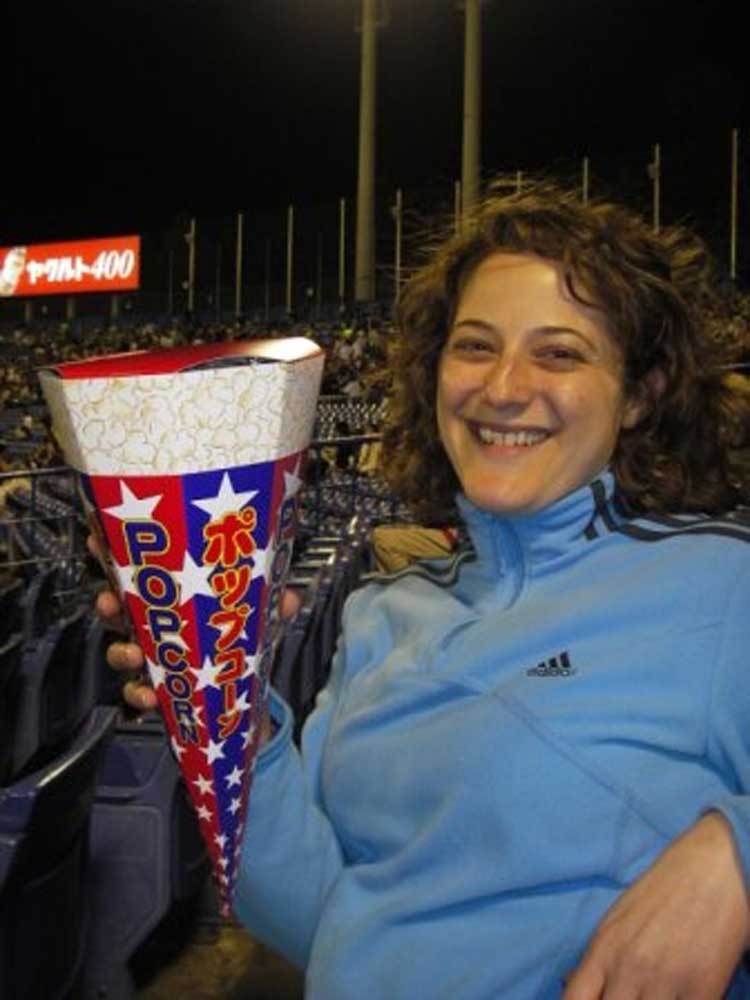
(644, 397)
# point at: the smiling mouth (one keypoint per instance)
(510, 439)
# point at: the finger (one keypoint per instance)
(107, 605)
(93, 546)
(140, 696)
(291, 602)
(109, 609)
(125, 656)
(587, 982)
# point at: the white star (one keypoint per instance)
(235, 806)
(177, 748)
(125, 578)
(214, 751)
(131, 508)
(204, 813)
(251, 668)
(156, 673)
(204, 785)
(193, 579)
(223, 862)
(225, 500)
(206, 675)
(221, 840)
(292, 482)
(262, 560)
(242, 704)
(234, 777)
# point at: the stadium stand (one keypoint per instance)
(73, 765)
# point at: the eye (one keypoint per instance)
(561, 356)
(469, 346)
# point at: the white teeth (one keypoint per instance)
(511, 439)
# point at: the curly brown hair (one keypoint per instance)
(657, 292)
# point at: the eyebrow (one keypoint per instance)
(547, 330)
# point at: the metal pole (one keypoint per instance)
(170, 284)
(733, 228)
(319, 278)
(471, 122)
(585, 181)
(656, 177)
(342, 248)
(364, 279)
(218, 282)
(190, 237)
(289, 257)
(267, 274)
(457, 205)
(397, 218)
(238, 266)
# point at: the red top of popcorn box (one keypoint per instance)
(170, 360)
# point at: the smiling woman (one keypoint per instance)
(529, 772)
(557, 293)
(531, 396)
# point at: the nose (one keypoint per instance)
(508, 381)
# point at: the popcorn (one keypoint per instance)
(236, 411)
(190, 462)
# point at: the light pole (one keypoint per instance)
(364, 268)
(470, 156)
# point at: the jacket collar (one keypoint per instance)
(542, 535)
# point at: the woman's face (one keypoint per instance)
(530, 396)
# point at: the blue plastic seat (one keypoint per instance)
(56, 694)
(11, 653)
(146, 852)
(44, 918)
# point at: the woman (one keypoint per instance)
(528, 774)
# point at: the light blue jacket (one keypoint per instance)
(507, 741)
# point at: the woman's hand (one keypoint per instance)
(677, 933)
(126, 657)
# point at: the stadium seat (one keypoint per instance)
(39, 603)
(11, 653)
(146, 852)
(56, 692)
(11, 593)
(44, 821)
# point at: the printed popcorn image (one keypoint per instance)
(190, 463)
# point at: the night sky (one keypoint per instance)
(120, 114)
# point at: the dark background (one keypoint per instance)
(131, 115)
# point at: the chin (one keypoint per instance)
(502, 505)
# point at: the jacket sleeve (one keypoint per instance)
(729, 739)
(290, 854)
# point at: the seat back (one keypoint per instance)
(56, 694)
(44, 820)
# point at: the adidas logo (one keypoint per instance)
(556, 666)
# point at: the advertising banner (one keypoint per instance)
(104, 265)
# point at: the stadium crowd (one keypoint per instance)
(353, 351)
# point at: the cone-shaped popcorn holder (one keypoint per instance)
(190, 461)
